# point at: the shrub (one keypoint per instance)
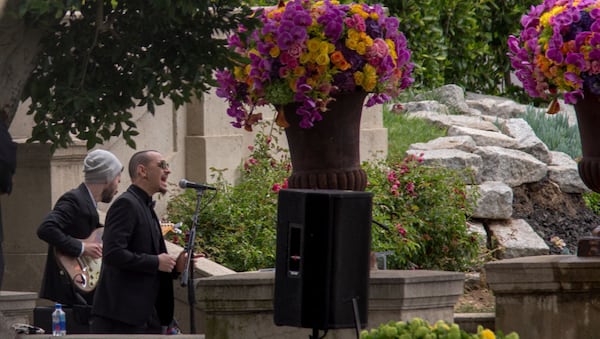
(237, 227)
(423, 215)
(419, 328)
(555, 131)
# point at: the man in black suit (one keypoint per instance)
(8, 163)
(135, 292)
(75, 217)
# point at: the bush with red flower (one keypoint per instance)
(421, 214)
(306, 52)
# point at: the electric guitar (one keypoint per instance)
(83, 271)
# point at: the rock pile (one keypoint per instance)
(517, 176)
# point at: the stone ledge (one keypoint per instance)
(241, 305)
(546, 273)
(470, 321)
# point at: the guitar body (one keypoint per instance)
(83, 271)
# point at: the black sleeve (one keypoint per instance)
(8, 159)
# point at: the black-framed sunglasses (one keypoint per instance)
(163, 164)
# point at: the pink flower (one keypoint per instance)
(401, 230)
(410, 188)
(377, 51)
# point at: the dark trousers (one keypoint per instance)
(101, 325)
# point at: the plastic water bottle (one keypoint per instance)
(59, 322)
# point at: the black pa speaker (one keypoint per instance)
(322, 260)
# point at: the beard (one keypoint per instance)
(107, 195)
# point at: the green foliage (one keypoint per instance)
(418, 328)
(460, 42)
(237, 227)
(420, 23)
(97, 66)
(555, 131)
(425, 211)
(592, 200)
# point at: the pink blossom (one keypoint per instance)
(410, 188)
(401, 230)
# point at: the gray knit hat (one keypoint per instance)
(101, 166)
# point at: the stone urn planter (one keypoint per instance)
(327, 155)
(588, 122)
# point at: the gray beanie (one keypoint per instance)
(101, 166)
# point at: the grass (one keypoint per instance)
(404, 131)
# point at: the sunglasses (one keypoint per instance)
(163, 164)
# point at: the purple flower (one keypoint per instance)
(558, 55)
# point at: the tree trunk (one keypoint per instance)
(19, 48)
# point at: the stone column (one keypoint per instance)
(39, 181)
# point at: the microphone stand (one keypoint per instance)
(187, 277)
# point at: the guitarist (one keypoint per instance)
(74, 218)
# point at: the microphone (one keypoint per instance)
(189, 184)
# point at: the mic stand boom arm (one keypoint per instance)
(187, 277)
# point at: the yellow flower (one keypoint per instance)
(322, 59)
(326, 47)
(357, 8)
(392, 48)
(299, 71)
(313, 44)
(545, 18)
(487, 334)
(305, 58)
(351, 43)
(358, 78)
(274, 52)
(361, 48)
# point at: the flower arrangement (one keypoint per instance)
(558, 50)
(306, 52)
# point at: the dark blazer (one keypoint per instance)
(131, 288)
(74, 217)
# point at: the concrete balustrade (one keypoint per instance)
(241, 305)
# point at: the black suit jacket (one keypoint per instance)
(74, 217)
(131, 288)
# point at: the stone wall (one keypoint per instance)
(486, 135)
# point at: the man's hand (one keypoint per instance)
(181, 261)
(92, 249)
(165, 262)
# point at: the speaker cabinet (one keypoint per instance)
(322, 260)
